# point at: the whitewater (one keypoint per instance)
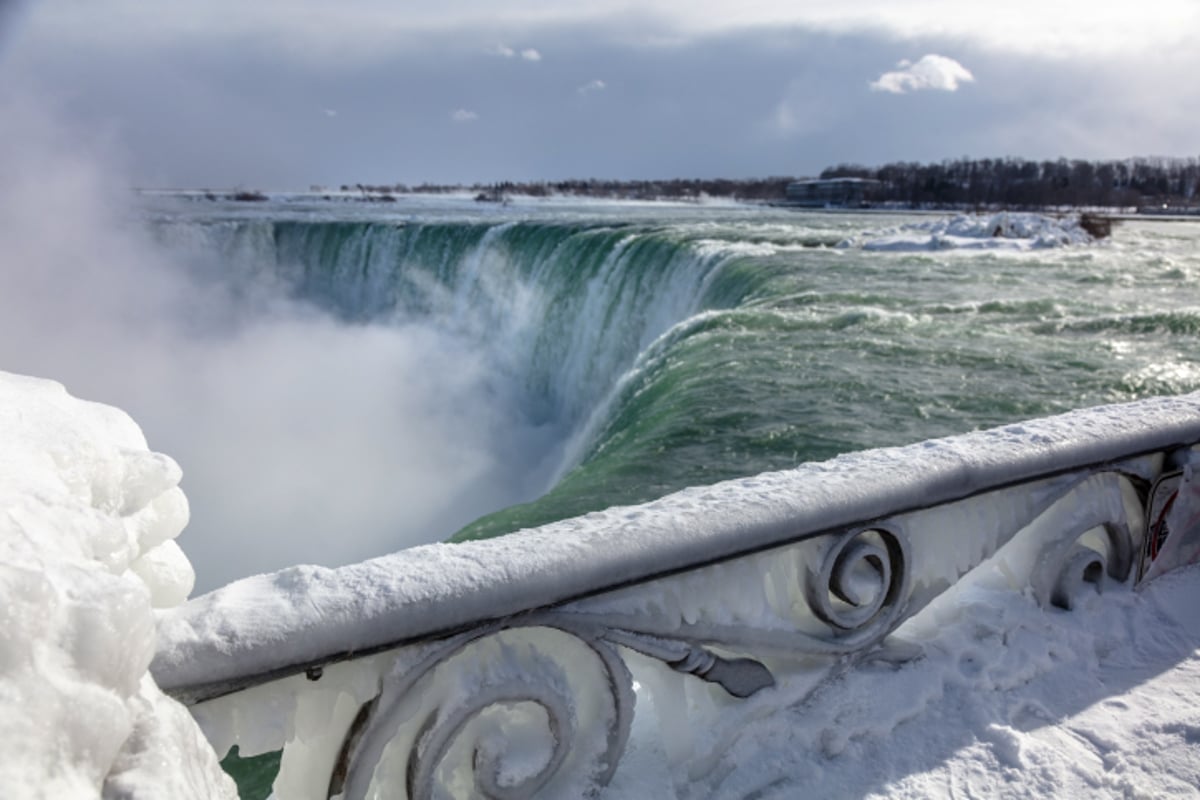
(339, 380)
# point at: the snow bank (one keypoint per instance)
(1002, 231)
(87, 521)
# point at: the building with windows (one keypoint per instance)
(831, 192)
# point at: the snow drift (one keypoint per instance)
(87, 521)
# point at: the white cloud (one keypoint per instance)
(592, 86)
(931, 72)
(463, 115)
(329, 112)
(504, 51)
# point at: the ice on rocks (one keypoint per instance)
(1001, 231)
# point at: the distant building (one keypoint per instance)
(830, 192)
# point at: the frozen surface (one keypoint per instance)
(306, 613)
(87, 518)
(1002, 231)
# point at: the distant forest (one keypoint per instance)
(1147, 184)
(760, 189)
(1133, 183)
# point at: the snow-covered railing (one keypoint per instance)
(507, 667)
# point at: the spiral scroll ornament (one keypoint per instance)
(513, 713)
(1081, 549)
(1074, 562)
(860, 583)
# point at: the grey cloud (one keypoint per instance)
(758, 102)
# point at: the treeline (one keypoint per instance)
(760, 189)
(1150, 184)
(1147, 183)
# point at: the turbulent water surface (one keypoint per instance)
(622, 351)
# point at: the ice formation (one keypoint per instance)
(1000, 231)
(87, 520)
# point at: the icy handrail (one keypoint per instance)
(254, 627)
(407, 655)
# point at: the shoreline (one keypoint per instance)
(241, 196)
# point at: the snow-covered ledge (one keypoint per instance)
(507, 667)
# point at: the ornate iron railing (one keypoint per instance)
(507, 668)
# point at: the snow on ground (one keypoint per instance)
(985, 694)
(87, 521)
(1001, 231)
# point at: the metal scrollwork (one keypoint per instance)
(859, 585)
(509, 713)
(1070, 564)
(1091, 547)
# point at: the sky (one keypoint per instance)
(285, 95)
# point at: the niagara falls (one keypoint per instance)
(459, 401)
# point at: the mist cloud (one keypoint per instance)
(302, 439)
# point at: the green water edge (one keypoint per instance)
(254, 775)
